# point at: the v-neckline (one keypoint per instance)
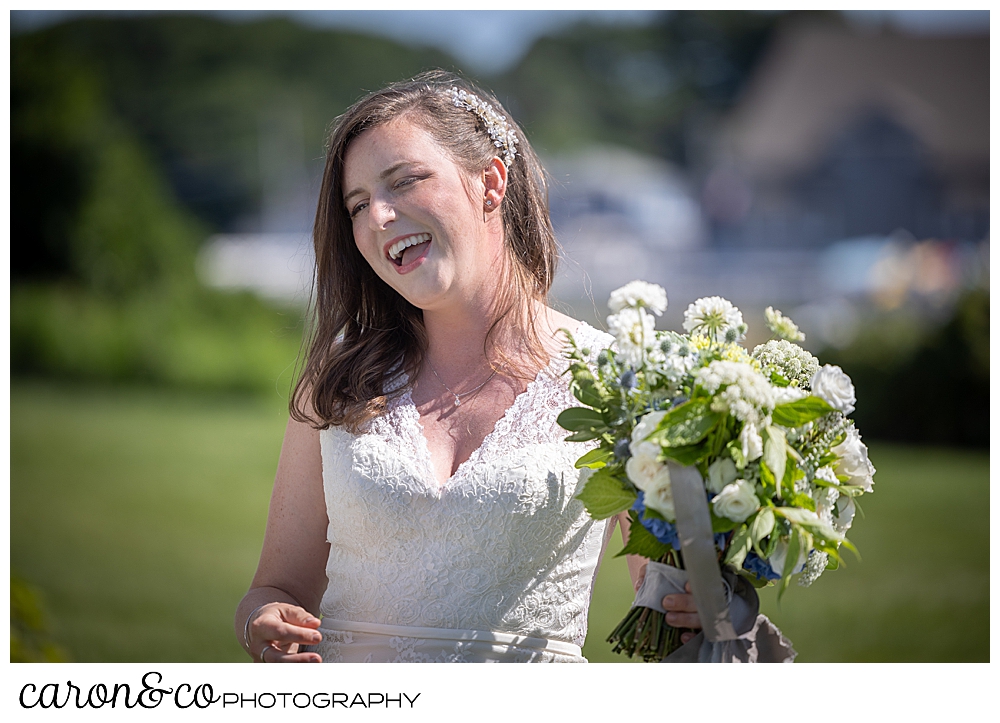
(423, 449)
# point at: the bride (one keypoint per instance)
(423, 506)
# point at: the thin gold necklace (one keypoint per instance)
(458, 397)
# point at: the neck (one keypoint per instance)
(456, 338)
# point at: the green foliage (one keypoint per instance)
(604, 494)
(801, 411)
(775, 452)
(30, 636)
(642, 542)
(205, 340)
(595, 458)
(578, 419)
(739, 546)
(111, 224)
(585, 387)
(686, 424)
(761, 526)
(199, 91)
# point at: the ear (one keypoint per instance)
(495, 183)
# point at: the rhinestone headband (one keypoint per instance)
(502, 134)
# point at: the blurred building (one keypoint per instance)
(843, 134)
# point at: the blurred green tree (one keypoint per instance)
(30, 636)
(923, 385)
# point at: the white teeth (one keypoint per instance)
(396, 250)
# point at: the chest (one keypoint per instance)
(453, 433)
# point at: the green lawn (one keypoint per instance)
(139, 515)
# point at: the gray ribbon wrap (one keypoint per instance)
(732, 629)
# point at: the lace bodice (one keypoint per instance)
(502, 546)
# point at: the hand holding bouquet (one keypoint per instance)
(767, 430)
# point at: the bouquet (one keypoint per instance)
(767, 429)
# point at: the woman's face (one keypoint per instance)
(418, 219)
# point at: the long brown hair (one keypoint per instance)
(364, 332)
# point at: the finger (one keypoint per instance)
(275, 630)
(299, 616)
(640, 578)
(683, 620)
(686, 637)
(680, 603)
(687, 586)
(272, 655)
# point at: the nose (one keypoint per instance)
(380, 214)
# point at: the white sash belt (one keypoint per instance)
(483, 636)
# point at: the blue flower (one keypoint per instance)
(622, 449)
(628, 380)
(720, 541)
(760, 568)
(662, 530)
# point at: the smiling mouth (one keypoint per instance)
(397, 252)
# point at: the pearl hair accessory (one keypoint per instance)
(502, 134)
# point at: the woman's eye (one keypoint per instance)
(359, 208)
(409, 180)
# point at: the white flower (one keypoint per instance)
(644, 464)
(826, 501)
(834, 387)
(826, 474)
(784, 395)
(651, 476)
(844, 514)
(712, 316)
(782, 326)
(659, 495)
(748, 396)
(789, 360)
(634, 331)
(853, 460)
(639, 293)
(753, 445)
(646, 426)
(815, 566)
(737, 501)
(777, 558)
(720, 473)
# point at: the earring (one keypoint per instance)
(489, 203)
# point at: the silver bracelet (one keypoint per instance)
(246, 627)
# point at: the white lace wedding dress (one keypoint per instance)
(495, 566)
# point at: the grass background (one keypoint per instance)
(139, 516)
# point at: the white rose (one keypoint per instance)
(639, 293)
(737, 501)
(834, 387)
(777, 558)
(853, 460)
(844, 514)
(720, 473)
(659, 495)
(646, 426)
(753, 445)
(643, 465)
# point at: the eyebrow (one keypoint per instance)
(382, 176)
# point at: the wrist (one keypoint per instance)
(246, 627)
